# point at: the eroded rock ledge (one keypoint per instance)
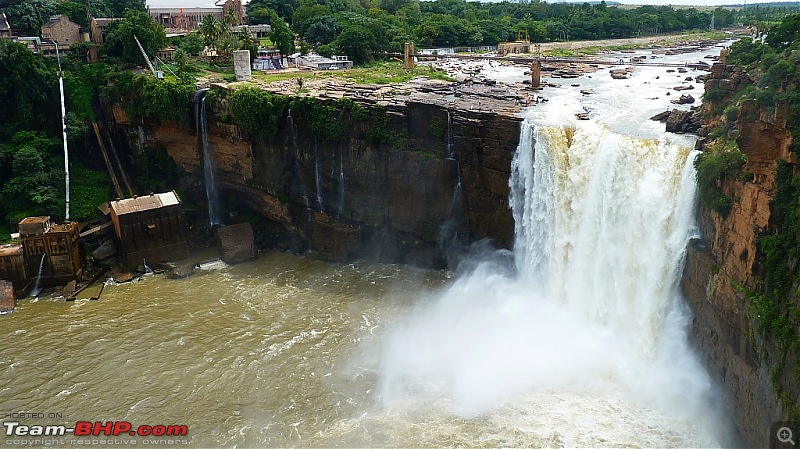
(447, 181)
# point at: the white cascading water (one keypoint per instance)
(584, 343)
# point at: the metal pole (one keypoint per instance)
(63, 132)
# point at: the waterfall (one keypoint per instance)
(341, 177)
(602, 222)
(212, 195)
(588, 314)
(35, 292)
(450, 149)
(147, 269)
(317, 182)
(296, 181)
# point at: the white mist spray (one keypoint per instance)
(591, 327)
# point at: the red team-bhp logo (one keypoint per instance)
(97, 428)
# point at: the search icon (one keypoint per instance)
(785, 435)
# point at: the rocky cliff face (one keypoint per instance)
(725, 263)
(447, 181)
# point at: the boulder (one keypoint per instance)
(105, 252)
(618, 74)
(69, 288)
(678, 121)
(689, 87)
(661, 116)
(683, 99)
(180, 271)
(122, 277)
(236, 243)
(8, 298)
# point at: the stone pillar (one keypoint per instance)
(536, 74)
(241, 65)
(8, 298)
(408, 56)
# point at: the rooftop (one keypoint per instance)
(4, 26)
(144, 203)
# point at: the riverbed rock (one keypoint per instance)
(106, 252)
(180, 271)
(619, 74)
(684, 87)
(121, 278)
(8, 298)
(236, 243)
(661, 116)
(678, 121)
(69, 288)
(683, 99)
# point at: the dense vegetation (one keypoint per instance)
(774, 70)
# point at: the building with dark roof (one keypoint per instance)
(99, 28)
(5, 28)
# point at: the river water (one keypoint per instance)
(579, 341)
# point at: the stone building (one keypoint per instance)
(150, 228)
(99, 28)
(190, 18)
(63, 31)
(51, 250)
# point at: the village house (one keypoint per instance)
(99, 29)
(64, 31)
(189, 19)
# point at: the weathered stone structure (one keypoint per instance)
(64, 31)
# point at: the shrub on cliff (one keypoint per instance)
(721, 162)
(257, 111)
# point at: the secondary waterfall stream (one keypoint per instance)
(577, 338)
(212, 194)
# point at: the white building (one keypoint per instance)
(317, 62)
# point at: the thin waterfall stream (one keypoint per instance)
(212, 194)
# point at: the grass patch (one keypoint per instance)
(379, 72)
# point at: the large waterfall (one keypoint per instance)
(585, 337)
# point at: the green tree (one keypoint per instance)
(28, 90)
(281, 35)
(284, 8)
(303, 14)
(181, 60)
(785, 34)
(357, 42)
(121, 42)
(75, 11)
(118, 8)
(27, 16)
(212, 31)
(192, 44)
(323, 30)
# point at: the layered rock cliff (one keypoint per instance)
(724, 271)
(436, 177)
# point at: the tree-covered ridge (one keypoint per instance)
(460, 23)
